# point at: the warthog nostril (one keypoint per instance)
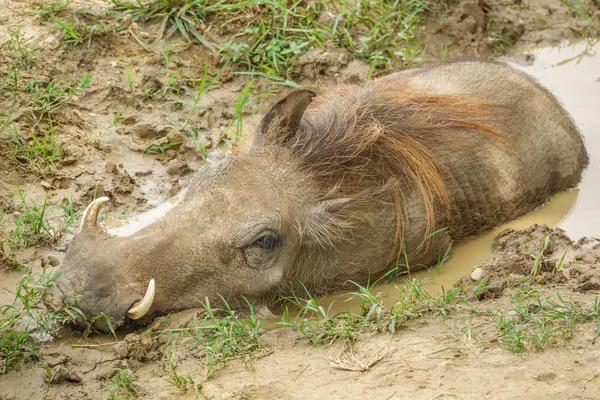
(139, 309)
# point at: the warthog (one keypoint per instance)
(339, 186)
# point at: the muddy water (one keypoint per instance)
(572, 73)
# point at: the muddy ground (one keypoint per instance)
(121, 136)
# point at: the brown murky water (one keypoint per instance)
(572, 73)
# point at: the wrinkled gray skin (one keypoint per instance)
(256, 223)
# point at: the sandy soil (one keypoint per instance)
(104, 158)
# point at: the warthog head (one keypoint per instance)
(241, 227)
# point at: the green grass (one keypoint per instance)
(532, 321)
(237, 120)
(194, 105)
(160, 149)
(535, 321)
(273, 34)
(23, 321)
(172, 362)
(577, 7)
(120, 382)
(182, 16)
(49, 9)
(35, 224)
(23, 54)
(320, 325)
(222, 334)
(28, 133)
(78, 32)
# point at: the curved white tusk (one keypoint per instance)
(139, 309)
(90, 215)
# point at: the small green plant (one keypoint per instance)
(318, 324)
(34, 142)
(46, 98)
(37, 148)
(160, 149)
(539, 257)
(241, 104)
(33, 226)
(22, 53)
(577, 7)
(501, 45)
(171, 76)
(52, 8)
(534, 322)
(120, 381)
(23, 321)
(76, 33)
(183, 16)
(221, 334)
(195, 105)
(9, 86)
(180, 382)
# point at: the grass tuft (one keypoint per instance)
(24, 322)
(120, 382)
(36, 224)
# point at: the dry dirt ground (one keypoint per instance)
(121, 136)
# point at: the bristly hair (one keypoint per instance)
(360, 137)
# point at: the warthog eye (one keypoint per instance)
(266, 242)
(259, 253)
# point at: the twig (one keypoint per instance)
(301, 372)
(592, 378)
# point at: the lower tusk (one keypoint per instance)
(139, 309)
(90, 215)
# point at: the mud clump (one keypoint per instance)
(332, 61)
(540, 255)
(466, 25)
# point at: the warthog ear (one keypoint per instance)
(283, 119)
(323, 225)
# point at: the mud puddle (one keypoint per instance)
(572, 73)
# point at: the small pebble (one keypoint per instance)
(127, 20)
(53, 261)
(113, 64)
(144, 34)
(477, 274)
